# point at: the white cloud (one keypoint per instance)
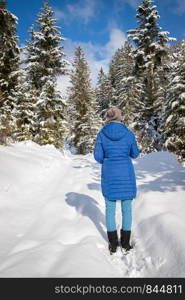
(175, 6)
(83, 10)
(133, 3)
(117, 38)
(97, 56)
(59, 14)
(180, 9)
(178, 5)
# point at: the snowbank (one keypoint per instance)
(52, 216)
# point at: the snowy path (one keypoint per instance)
(52, 217)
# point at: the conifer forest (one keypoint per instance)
(146, 80)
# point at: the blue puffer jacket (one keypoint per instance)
(114, 148)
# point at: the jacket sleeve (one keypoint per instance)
(134, 150)
(98, 150)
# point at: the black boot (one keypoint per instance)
(125, 239)
(113, 241)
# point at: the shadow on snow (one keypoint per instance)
(87, 206)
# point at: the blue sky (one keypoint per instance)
(99, 26)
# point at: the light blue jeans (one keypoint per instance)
(110, 210)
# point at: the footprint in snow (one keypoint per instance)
(133, 264)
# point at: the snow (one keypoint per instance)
(169, 119)
(52, 216)
(174, 104)
(182, 96)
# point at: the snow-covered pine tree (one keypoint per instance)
(132, 104)
(120, 68)
(45, 61)
(163, 79)
(114, 69)
(9, 65)
(45, 56)
(25, 108)
(103, 93)
(127, 89)
(70, 113)
(149, 54)
(174, 115)
(82, 106)
(50, 116)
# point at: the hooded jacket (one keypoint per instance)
(114, 148)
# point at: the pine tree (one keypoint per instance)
(132, 104)
(114, 71)
(25, 108)
(174, 115)
(45, 61)
(103, 93)
(9, 65)
(151, 42)
(44, 49)
(127, 89)
(82, 106)
(120, 69)
(149, 54)
(50, 116)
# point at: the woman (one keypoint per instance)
(114, 148)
